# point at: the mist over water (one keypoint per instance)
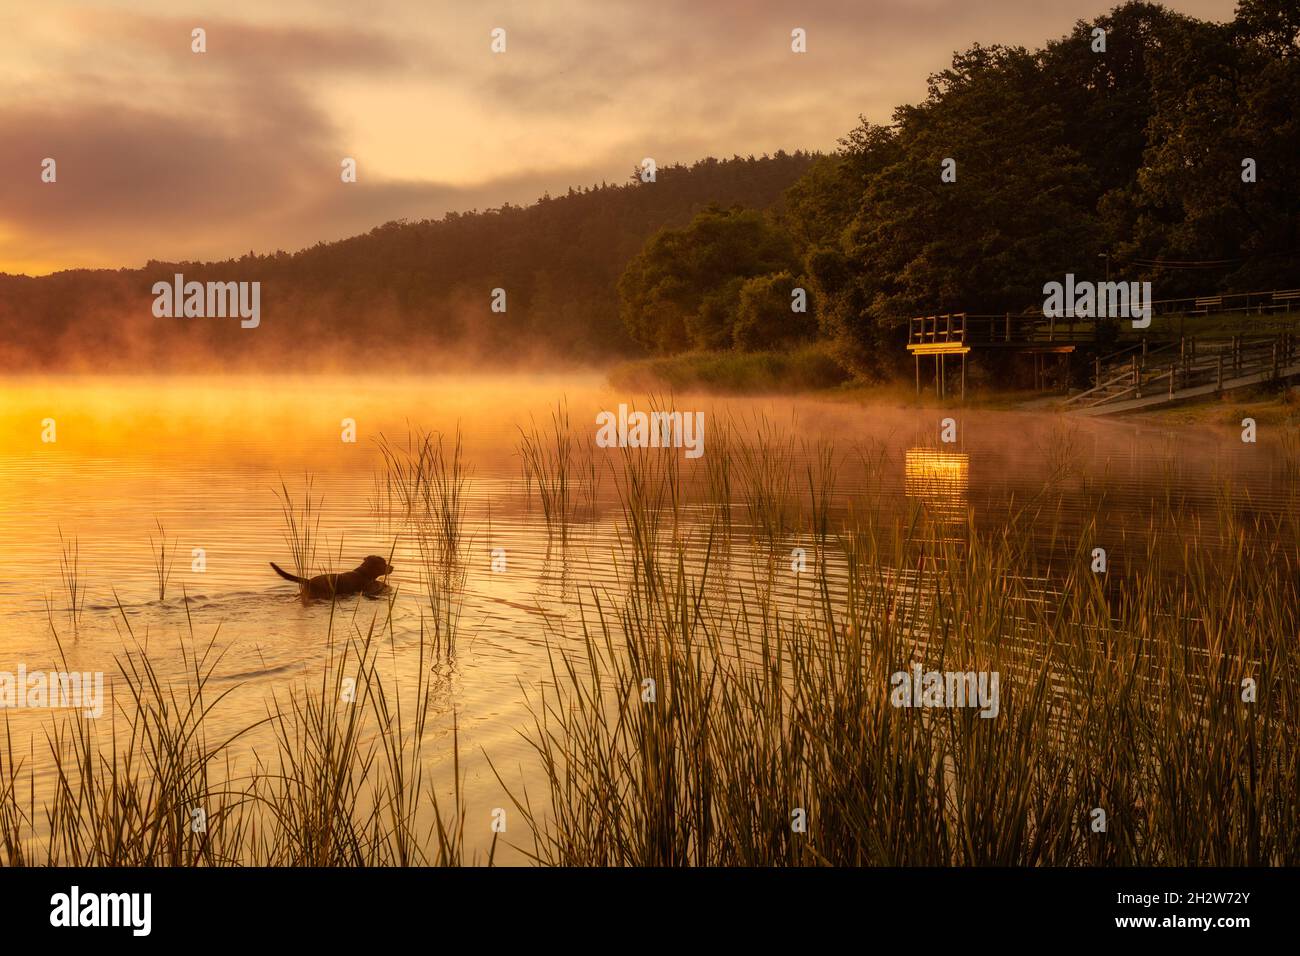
(204, 458)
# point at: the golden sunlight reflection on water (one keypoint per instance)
(202, 457)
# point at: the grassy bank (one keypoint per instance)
(802, 369)
(1267, 405)
(808, 369)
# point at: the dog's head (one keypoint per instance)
(375, 567)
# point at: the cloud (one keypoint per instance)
(134, 185)
(163, 153)
(236, 45)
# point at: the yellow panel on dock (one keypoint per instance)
(938, 348)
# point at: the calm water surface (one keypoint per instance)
(204, 457)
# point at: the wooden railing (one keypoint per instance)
(1189, 364)
(937, 329)
(1257, 303)
(1032, 327)
(963, 328)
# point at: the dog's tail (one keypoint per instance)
(286, 575)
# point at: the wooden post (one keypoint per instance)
(963, 378)
(917, 356)
(1096, 378)
(1219, 379)
(1137, 378)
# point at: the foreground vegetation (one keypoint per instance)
(1122, 692)
(718, 708)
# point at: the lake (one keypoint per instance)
(205, 458)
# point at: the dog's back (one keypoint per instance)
(364, 579)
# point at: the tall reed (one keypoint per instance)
(301, 525)
(689, 728)
(430, 478)
(163, 559)
(74, 585)
(548, 456)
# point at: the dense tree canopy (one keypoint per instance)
(684, 289)
(1071, 158)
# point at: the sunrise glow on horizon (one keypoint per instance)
(167, 154)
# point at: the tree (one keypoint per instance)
(1223, 95)
(682, 291)
(1017, 214)
(765, 318)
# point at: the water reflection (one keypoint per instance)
(204, 459)
(940, 480)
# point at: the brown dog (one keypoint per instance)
(364, 580)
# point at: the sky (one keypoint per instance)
(163, 153)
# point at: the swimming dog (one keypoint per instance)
(363, 580)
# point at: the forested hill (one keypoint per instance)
(415, 293)
(1144, 145)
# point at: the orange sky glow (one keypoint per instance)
(163, 153)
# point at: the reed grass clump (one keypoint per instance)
(430, 477)
(550, 458)
(301, 525)
(70, 574)
(693, 724)
(343, 782)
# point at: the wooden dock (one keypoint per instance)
(1191, 327)
(958, 333)
(1187, 370)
